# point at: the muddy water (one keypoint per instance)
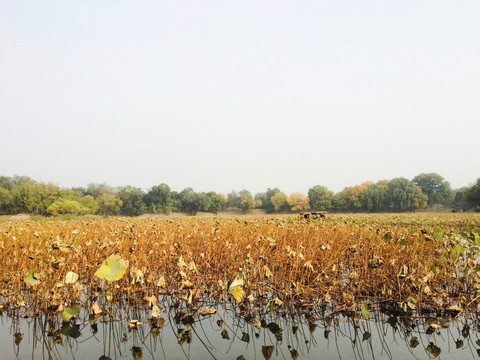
(231, 335)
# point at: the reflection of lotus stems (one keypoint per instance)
(303, 333)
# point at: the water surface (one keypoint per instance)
(231, 334)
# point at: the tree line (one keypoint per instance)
(20, 194)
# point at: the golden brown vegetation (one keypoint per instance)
(347, 262)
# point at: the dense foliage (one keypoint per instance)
(472, 195)
(20, 194)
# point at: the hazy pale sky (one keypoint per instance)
(222, 95)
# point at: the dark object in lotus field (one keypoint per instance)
(313, 214)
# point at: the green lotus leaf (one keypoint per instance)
(71, 331)
(438, 232)
(70, 312)
(365, 312)
(457, 251)
(272, 242)
(30, 278)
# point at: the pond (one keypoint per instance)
(234, 333)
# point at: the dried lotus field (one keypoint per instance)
(343, 263)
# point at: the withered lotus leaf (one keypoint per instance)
(112, 269)
(71, 277)
(236, 289)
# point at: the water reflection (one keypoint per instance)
(234, 333)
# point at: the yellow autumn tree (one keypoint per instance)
(298, 202)
(350, 198)
(280, 202)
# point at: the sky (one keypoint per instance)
(222, 95)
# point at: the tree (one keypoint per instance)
(109, 204)
(23, 197)
(71, 194)
(280, 202)
(472, 195)
(420, 200)
(66, 206)
(193, 202)
(44, 195)
(5, 200)
(218, 202)
(298, 202)
(97, 190)
(320, 198)
(342, 200)
(260, 200)
(435, 187)
(80, 191)
(176, 203)
(179, 199)
(132, 200)
(6, 182)
(10, 182)
(459, 202)
(89, 203)
(405, 195)
(350, 198)
(375, 197)
(268, 206)
(246, 201)
(203, 201)
(233, 200)
(159, 199)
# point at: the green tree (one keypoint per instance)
(218, 202)
(179, 198)
(260, 200)
(341, 200)
(89, 203)
(404, 195)
(71, 194)
(44, 195)
(5, 200)
(23, 197)
(159, 199)
(459, 202)
(320, 198)
(420, 200)
(193, 202)
(109, 204)
(435, 187)
(203, 202)
(132, 200)
(176, 201)
(472, 195)
(6, 182)
(375, 197)
(246, 201)
(20, 180)
(350, 198)
(97, 190)
(280, 202)
(80, 191)
(268, 206)
(233, 200)
(66, 206)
